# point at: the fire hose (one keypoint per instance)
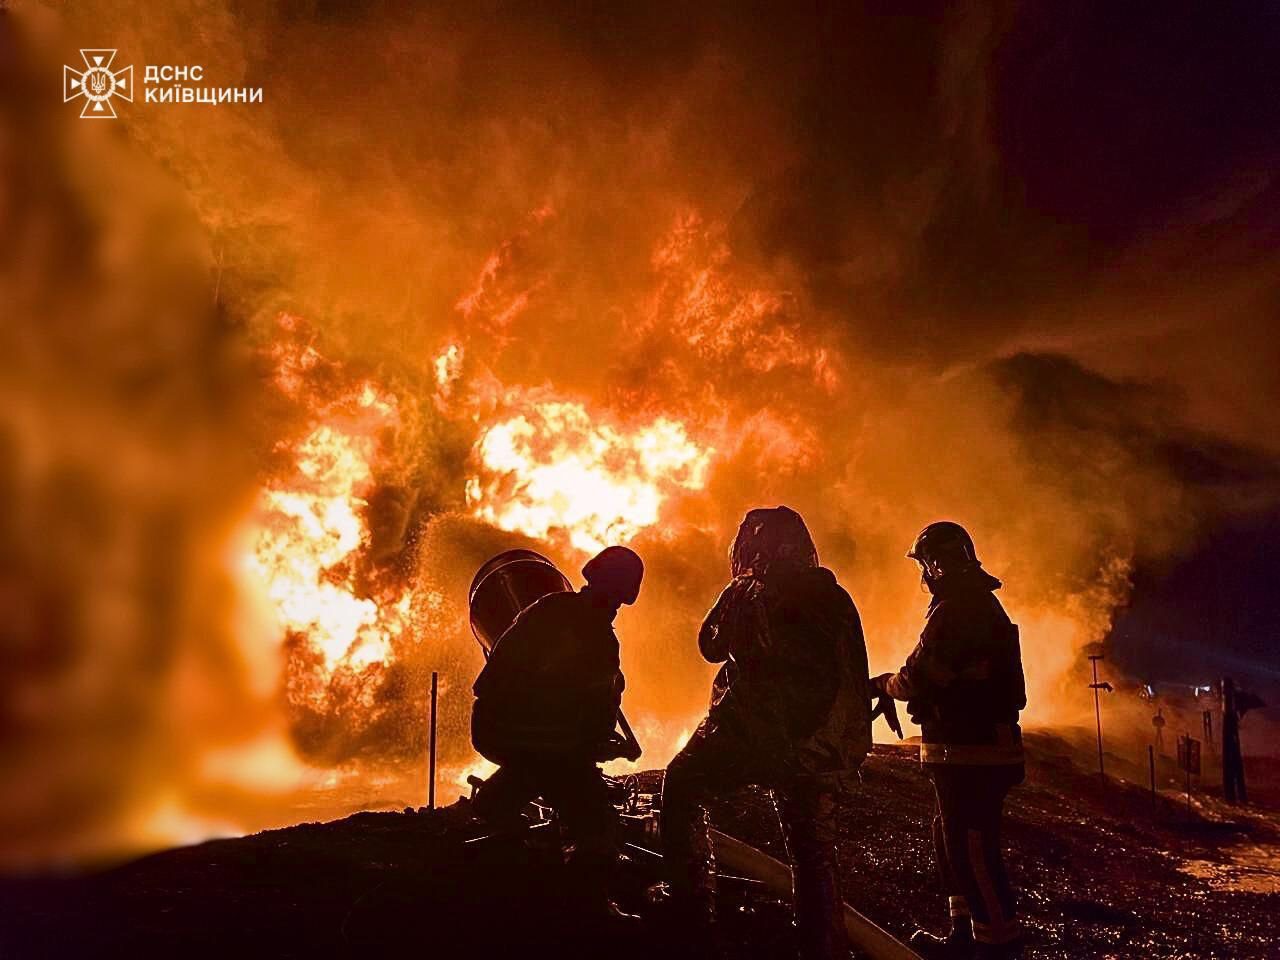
(755, 864)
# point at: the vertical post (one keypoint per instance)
(1188, 783)
(431, 755)
(1097, 709)
(1151, 762)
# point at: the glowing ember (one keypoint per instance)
(554, 470)
(311, 528)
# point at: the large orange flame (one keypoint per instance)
(311, 527)
(553, 469)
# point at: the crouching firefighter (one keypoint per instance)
(963, 684)
(790, 711)
(546, 706)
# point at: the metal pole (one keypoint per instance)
(431, 761)
(1151, 762)
(1188, 776)
(1097, 712)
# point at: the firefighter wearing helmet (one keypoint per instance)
(789, 711)
(963, 684)
(546, 704)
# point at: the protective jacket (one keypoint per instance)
(794, 681)
(963, 682)
(552, 686)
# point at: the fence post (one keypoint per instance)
(431, 756)
(1151, 762)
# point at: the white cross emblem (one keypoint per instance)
(97, 84)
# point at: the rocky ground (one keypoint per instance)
(1105, 872)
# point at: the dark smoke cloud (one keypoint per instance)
(1013, 264)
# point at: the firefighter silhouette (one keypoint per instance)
(963, 684)
(546, 706)
(790, 711)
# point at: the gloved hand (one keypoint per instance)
(615, 748)
(877, 684)
(885, 705)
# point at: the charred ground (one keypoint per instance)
(1104, 870)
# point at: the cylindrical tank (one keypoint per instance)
(504, 587)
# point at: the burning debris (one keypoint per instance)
(311, 529)
(328, 555)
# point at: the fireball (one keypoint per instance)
(555, 471)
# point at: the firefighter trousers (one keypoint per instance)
(711, 766)
(966, 837)
(577, 791)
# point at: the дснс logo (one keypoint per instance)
(97, 84)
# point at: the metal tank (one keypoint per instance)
(504, 587)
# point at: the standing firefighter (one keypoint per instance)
(546, 707)
(963, 684)
(790, 710)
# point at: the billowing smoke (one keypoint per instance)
(280, 376)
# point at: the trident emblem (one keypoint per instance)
(97, 84)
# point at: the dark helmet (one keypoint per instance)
(944, 547)
(617, 572)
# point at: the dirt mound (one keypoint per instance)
(1104, 871)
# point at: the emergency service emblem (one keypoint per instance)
(97, 83)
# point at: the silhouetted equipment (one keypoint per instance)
(503, 588)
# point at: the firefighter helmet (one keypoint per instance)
(943, 547)
(771, 537)
(617, 571)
